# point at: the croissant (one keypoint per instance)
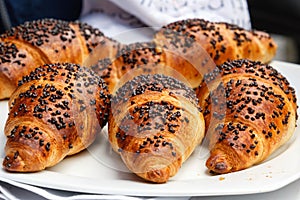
(222, 41)
(187, 50)
(46, 41)
(154, 125)
(249, 110)
(148, 57)
(53, 114)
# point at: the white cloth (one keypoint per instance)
(12, 190)
(113, 17)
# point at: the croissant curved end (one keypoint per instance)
(218, 164)
(158, 175)
(13, 162)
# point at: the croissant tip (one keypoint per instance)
(10, 163)
(13, 162)
(218, 165)
(219, 168)
(158, 176)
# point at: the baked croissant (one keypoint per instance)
(188, 48)
(53, 114)
(46, 41)
(148, 57)
(222, 41)
(155, 124)
(249, 114)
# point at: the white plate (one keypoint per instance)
(99, 170)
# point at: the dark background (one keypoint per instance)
(277, 16)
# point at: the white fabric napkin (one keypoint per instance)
(160, 12)
(12, 190)
(115, 16)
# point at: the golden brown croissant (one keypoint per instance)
(47, 41)
(249, 114)
(222, 41)
(155, 124)
(53, 114)
(188, 48)
(147, 57)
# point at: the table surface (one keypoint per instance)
(289, 192)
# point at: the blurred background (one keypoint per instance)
(281, 18)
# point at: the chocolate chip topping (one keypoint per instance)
(156, 82)
(151, 119)
(255, 93)
(183, 35)
(38, 32)
(55, 95)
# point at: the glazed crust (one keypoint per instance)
(53, 113)
(47, 41)
(249, 114)
(149, 58)
(155, 125)
(222, 41)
